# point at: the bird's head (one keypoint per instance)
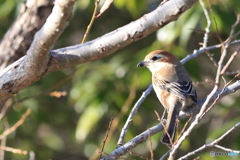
(155, 60)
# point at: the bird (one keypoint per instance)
(172, 86)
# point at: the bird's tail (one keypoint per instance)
(170, 126)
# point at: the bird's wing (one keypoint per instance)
(180, 89)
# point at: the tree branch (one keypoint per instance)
(32, 67)
(214, 144)
(38, 54)
(134, 142)
(19, 37)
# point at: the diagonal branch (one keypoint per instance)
(134, 142)
(214, 144)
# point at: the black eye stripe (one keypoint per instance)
(154, 58)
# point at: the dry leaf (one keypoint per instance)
(105, 6)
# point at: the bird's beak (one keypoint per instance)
(142, 64)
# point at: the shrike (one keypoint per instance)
(172, 86)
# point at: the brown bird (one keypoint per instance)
(172, 86)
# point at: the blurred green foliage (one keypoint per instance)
(72, 127)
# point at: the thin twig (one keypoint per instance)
(6, 105)
(91, 22)
(207, 29)
(163, 122)
(219, 95)
(133, 112)
(13, 150)
(3, 142)
(105, 138)
(215, 22)
(137, 154)
(213, 144)
(231, 36)
(116, 120)
(184, 127)
(16, 125)
(151, 148)
(121, 150)
(230, 60)
(226, 149)
(202, 50)
(207, 32)
(232, 73)
(165, 154)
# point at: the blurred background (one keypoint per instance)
(72, 125)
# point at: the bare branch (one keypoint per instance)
(202, 50)
(230, 60)
(207, 29)
(226, 149)
(214, 144)
(16, 125)
(165, 155)
(151, 148)
(19, 37)
(134, 142)
(4, 140)
(91, 22)
(105, 138)
(38, 53)
(131, 115)
(13, 150)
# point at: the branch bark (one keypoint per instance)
(24, 72)
(33, 66)
(19, 37)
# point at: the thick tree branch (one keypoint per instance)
(33, 66)
(38, 54)
(12, 79)
(19, 37)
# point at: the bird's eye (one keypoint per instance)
(154, 58)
